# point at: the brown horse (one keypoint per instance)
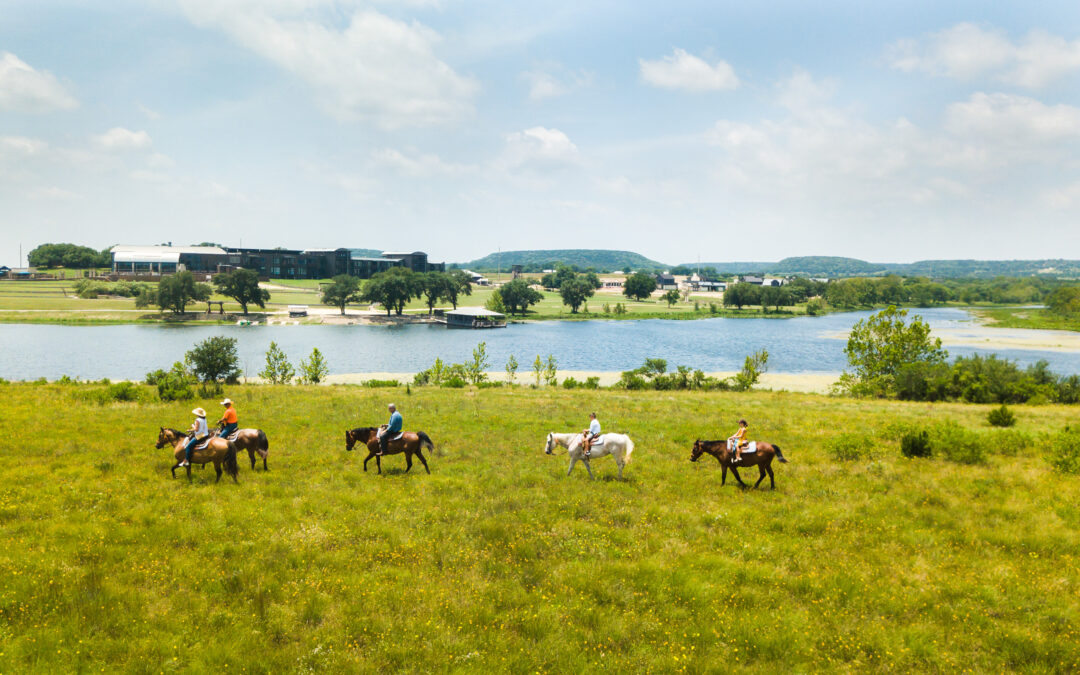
(217, 450)
(254, 441)
(762, 459)
(410, 443)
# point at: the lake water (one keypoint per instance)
(799, 345)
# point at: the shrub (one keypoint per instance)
(1064, 453)
(174, 384)
(849, 447)
(1001, 417)
(454, 382)
(121, 391)
(915, 444)
(314, 370)
(591, 383)
(278, 370)
(214, 359)
(570, 383)
(1009, 442)
(378, 384)
(957, 444)
(815, 307)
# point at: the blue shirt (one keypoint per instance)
(395, 422)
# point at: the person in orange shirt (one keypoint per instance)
(228, 421)
(738, 441)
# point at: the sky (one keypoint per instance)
(685, 131)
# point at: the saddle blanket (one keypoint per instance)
(749, 449)
(598, 442)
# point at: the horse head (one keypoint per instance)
(550, 445)
(163, 438)
(699, 448)
(350, 439)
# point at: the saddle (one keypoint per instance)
(749, 448)
(589, 443)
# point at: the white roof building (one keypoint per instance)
(159, 254)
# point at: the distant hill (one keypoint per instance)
(532, 261)
(366, 252)
(831, 266)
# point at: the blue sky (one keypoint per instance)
(729, 131)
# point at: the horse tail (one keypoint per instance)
(230, 459)
(425, 442)
(629, 450)
(779, 455)
(264, 443)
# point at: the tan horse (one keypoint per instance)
(254, 441)
(410, 443)
(762, 459)
(220, 451)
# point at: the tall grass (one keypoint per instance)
(499, 562)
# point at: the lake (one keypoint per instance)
(797, 345)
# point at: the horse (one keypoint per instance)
(762, 459)
(410, 443)
(619, 446)
(254, 441)
(217, 450)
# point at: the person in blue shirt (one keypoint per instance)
(393, 428)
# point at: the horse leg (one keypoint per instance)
(175, 467)
(370, 455)
(408, 461)
(772, 483)
(573, 461)
(265, 468)
(621, 465)
(735, 472)
(588, 468)
(723, 475)
(217, 467)
(251, 456)
(378, 464)
(189, 472)
(761, 475)
(422, 460)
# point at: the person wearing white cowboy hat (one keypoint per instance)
(228, 422)
(199, 434)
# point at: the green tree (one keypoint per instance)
(517, 296)
(457, 285)
(563, 274)
(177, 291)
(214, 359)
(174, 384)
(593, 279)
(242, 286)
(1065, 301)
(68, 255)
(511, 370)
(495, 303)
(575, 291)
(671, 297)
(753, 368)
(880, 346)
(342, 290)
(741, 294)
(314, 370)
(393, 289)
(433, 287)
(776, 296)
(549, 281)
(551, 371)
(278, 370)
(477, 368)
(639, 286)
(538, 369)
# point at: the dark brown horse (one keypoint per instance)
(254, 441)
(762, 459)
(410, 443)
(220, 451)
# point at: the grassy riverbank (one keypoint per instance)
(498, 562)
(1025, 317)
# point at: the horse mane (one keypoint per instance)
(358, 431)
(176, 432)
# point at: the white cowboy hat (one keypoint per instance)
(198, 412)
(227, 401)
(391, 405)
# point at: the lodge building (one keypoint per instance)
(277, 263)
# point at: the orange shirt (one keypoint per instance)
(230, 415)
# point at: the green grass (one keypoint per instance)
(1025, 317)
(497, 562)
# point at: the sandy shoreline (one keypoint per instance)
(811, 383)
(989, 338)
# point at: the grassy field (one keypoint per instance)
(1026, 317)
(498, 562)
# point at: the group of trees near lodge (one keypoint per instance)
(396, 287)
(71, 256)
(176, 291)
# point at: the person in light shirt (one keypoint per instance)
(592, 433)
(199, 434)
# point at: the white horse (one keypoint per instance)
(618, 446)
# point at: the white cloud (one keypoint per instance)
(967, 51)
(24, 89)
(22, 145)
(160, 161)
(1016, 119)
(374, 68)
(119, 138)
(540, 146)
(686, 71)
(546, 84)
(52, 194)
(417, 164)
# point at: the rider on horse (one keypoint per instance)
(592, 433)
(228, 421)
(392, 428)
(738, 441)
(198, 433)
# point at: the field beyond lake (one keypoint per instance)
(861, 560)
